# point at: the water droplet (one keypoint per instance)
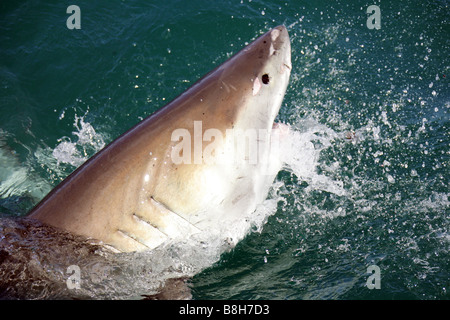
(390, 179)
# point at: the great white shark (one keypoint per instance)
(176, 173)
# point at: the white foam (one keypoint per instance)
(301, 150)
(16, 178)
(87, 143)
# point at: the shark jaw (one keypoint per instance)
(201, 162)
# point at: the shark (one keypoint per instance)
(199, 162)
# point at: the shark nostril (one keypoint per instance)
(265, 78)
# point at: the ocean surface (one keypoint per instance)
(361, 208)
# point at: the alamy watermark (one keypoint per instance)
(374, 20)
(374, 280)
(74, 280)
(74, 20)
(234, 146)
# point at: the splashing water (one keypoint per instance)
(76, 153)
(301, 154)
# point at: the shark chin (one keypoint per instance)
(206, 159)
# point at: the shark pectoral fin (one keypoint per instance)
(165, 220)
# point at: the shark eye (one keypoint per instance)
(265, 78)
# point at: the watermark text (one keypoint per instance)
(74, 20)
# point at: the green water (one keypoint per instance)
(372, 103)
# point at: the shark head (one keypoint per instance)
(202, 161)
(254, 81)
